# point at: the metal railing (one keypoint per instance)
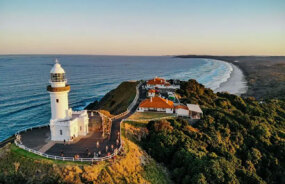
(131, 106)
(68, 158)
(31, 128)
(20, 145)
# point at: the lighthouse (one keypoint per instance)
(65, 124)
(58, 90)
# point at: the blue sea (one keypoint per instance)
(24, 101)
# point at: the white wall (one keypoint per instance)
(169, 110)
(70, 128)
(83, 122)
(141, 109)
(151, 94)
(57, 128)
(59, 110)
(182, 112)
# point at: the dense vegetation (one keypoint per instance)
(237, 141)
(132, 166)
(117, 100)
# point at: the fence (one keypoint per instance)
(20, 145)
(68, 158)
(31, 128)
(131, 106)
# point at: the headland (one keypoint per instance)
(265, 75)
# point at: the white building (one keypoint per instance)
(182, 110)
(157, 104)
(195, 111)
(161, 83)
(151, 93)
(191, 110)
(65, 124)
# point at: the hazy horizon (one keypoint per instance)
(142, 28)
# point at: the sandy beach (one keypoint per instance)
(236, 84)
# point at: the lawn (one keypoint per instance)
(134, 165)
(149, 115)
(18, 152)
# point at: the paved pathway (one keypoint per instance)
(89, 143)
(39, 138)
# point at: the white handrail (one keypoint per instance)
(67, 158)
(82, 159)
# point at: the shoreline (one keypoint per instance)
(236, 83)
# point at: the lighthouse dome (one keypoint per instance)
(57, 75)
(57, 68)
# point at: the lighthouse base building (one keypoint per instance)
(70, 128)
(65, 124)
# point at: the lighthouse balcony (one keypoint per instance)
(58, 89)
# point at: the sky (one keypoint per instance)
(142, 27)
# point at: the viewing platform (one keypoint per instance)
(58, 89)
(91, 146)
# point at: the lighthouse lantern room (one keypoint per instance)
(65, 124)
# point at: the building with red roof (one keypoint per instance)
(157, 104)
(151, 93)
(181, 110)
(158, 82)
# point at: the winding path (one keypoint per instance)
(86, 147)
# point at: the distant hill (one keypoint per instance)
(265, 74)
(238, 140)
(117, 100)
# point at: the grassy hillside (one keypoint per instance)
(117, 100)
(133, 166)
(237, 141)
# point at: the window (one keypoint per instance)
(57, 77)
(60, 132)
(57, 100)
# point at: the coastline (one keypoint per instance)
(236, 83)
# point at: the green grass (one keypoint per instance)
(18, 152)
(155, 173)
(117, 100)
(149, 115)
(137, 124)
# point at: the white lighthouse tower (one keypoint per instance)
(58, 93)
(65, 124)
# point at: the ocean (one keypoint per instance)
(24, 101)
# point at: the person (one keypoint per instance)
(61, 154)
(97, 144)
(107, 148)
(99, 154)
(112, 147)
(89, 153)
(64, 141)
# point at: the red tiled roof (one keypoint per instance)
(157, 102)
(151, 91)
(181, 107)
(156, 81)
